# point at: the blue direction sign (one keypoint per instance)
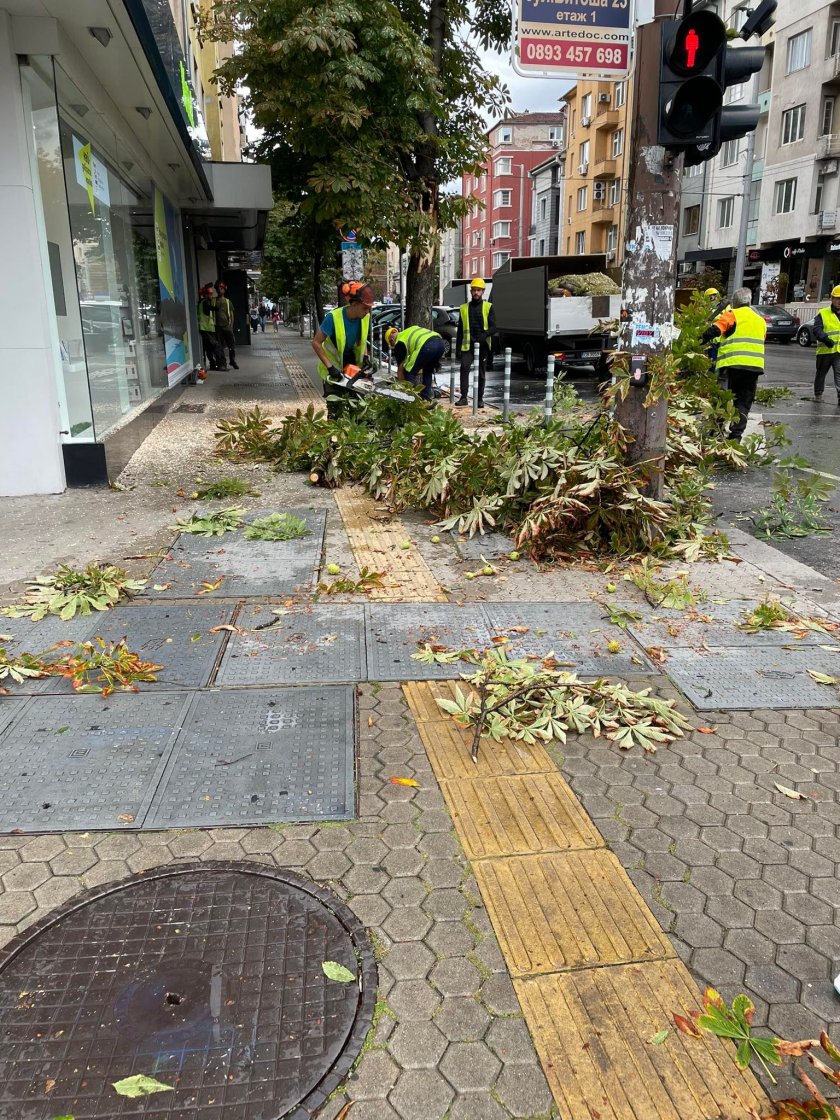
(582, 39)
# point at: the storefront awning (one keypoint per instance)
(242, 199)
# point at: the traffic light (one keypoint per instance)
(697, 66)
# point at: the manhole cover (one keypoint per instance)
(207, 977)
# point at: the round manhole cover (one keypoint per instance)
(207, 977)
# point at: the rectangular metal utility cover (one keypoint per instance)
(394, 629)
(265, 569)
(741, 678)
(250, 756)
(176, 636)
(326, 643)
(27, 636)
(84, 762)
(670, 628)
(576, 633)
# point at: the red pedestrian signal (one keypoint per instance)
(692, 42)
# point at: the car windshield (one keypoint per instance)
(772, 309)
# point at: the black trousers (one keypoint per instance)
(426, 365)
(742, 383)
(226, 342)
(826, 363)
(466, 366)
(212, 351)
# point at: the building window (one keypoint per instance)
(555, 132)
(584, 154)
(542, 247)
(691, 221)
(617, 142)
(580, 242)
(581, 198)
(477, 237)
(619, 94)
(725, 210)
(612, 239)
(784, 196)
(793, 124)
(827, 120)
(799, 51)
(482, 183)
(755, 199)
(503, 166)
(504, 136)
(501, 198)
(729, 153)
(501, 229)
(586, 107)
(500, 258)
(615, 191)
(818, 197)
(542, 209)
(695, 169)
(834, 40)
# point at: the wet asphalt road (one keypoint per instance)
(814, 431)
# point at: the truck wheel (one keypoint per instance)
(530, 356)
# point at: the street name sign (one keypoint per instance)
(580, 39)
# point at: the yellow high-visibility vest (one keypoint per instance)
(465, 321)
(744, 348)
(335, 350)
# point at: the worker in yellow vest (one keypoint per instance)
(417, 352)
(826, 330)
(342, 338)
(742, 333)
(476, 323)
(206, 312)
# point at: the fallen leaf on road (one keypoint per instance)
(50, 1085)
(335, 971)
(500, 640)
(685, 1026)
(344, 1112)
(404, 782)
(706, 730)
(161, 586)
(127, 817)
(196, 637)
(657, 654)
(822, 678)
(140, 1086)
(518, 629)
(659, 1037)
(206, 587)
(370, 721)
(224, 626)
(794, 794)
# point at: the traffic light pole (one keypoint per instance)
(649, 270)
(741, 251)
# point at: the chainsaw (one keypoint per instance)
(360, 380)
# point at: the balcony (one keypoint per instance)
(603, 213)
(828, 147)
(606, 168)
(831, 73)
(607, 118)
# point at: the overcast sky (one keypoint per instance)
(537, 95)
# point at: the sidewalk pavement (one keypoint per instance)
(707, 861)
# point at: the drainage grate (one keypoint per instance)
(576, 633)
(761, 677)
(683, 628)
(325, 644)
(246, 568)
(394, 629)
(84, 762)
(249, 756)
(190, 408)
(207, 977)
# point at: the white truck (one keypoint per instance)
(534, 322)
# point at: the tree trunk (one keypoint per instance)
(420, 282)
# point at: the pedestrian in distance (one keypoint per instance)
(206, 312)
(254, 319)
(742, 333)
(418, 354)
(342, 338)
(275, 318)
(262, 312)
(224, 325)
(476, 323)
(826, 330)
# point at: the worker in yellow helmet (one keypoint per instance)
(417, 352)
(826, 330)
(476, 324)
(742, 333)
(720, 305)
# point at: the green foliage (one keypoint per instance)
(226, 488)
(795, 506)
(673, 594)
(276, 527)
(140, 1086)
(214, 524)
(528, 701)
(773, 394)
(245, 436)
(367, 581)
(94, 666)
(772, 614)
(71, 591)
(20, 667)
(708, 278)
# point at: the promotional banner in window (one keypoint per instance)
(173, 311)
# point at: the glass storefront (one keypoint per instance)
(115, 257)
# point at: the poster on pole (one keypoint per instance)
(578, 39)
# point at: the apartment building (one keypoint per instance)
(791, 185)
(547, 205)
(501, 224)
(597, 153)
(222, 115)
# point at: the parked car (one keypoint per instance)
(781, 325)
(805, 334)
(445, 322)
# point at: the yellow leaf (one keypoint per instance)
(404, 782)
(793, 794)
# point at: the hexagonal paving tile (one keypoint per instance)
(420, 1094)
(413, 1000)
(470, 1066)
(417, 1045)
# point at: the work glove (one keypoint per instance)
(334, 373)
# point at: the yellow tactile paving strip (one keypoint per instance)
(595, 975)
(376, 545)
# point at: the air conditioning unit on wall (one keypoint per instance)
(599, 190)
(586, 121)
(604, 99)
